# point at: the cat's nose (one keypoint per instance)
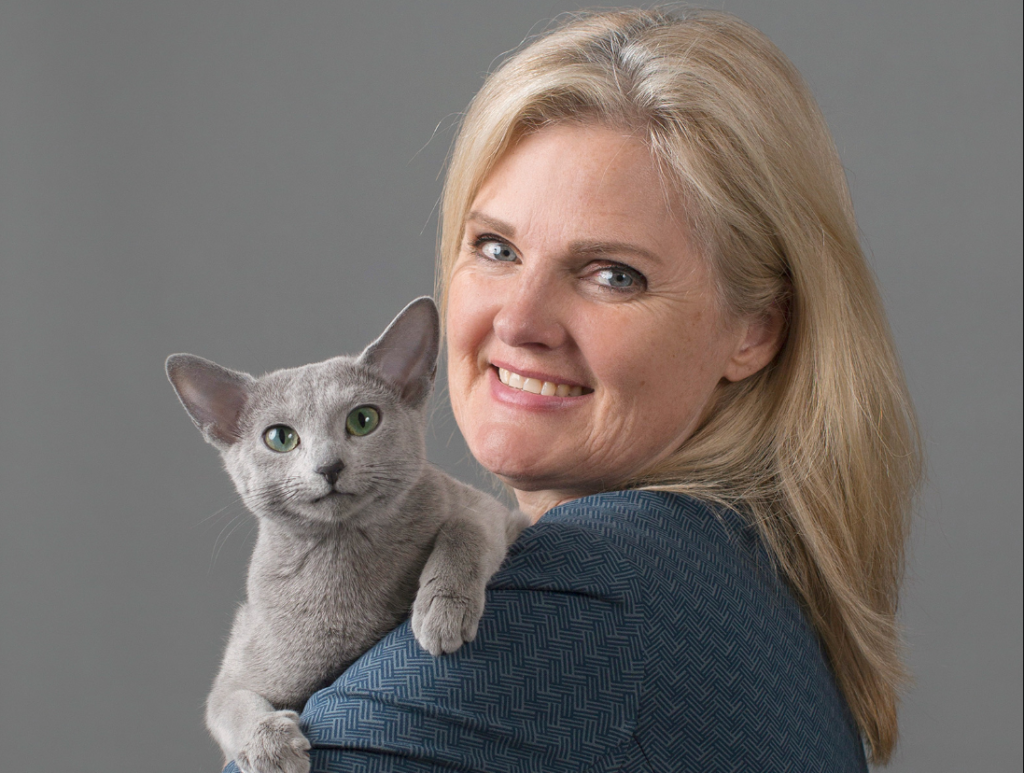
(331, 471)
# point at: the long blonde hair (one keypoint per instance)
(819, 449)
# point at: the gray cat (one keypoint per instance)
(354, 527)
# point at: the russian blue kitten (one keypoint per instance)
(355, 528)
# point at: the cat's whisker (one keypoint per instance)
(225, 535)
(213, 515)
(253, 527)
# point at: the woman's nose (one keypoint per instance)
(531, 313)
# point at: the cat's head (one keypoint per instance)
(321, 442)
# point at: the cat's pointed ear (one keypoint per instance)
(406, 353)
(213, 396)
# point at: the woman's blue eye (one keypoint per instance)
(496, 250)
(281, 438)
(618, 278)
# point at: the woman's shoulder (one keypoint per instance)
(725, 644)
(695, 575)
(630, 543)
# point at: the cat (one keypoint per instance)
(355, 528)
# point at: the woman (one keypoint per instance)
(654, 290)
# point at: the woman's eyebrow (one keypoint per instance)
(608, 248)
(595, 248)
(505, 229)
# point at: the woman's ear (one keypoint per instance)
(763, 337)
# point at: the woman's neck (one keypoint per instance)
(535, 503)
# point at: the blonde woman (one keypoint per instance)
(663, 336)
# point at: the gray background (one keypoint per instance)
(256, 182)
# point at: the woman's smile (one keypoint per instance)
(538, 384)
(584, 336)
(534, 393)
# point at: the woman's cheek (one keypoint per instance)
(466, 331)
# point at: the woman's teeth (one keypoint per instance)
(536, 386)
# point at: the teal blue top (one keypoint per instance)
(627, 631)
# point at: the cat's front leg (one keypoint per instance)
(239, 715)
(450, 599)
(258, 737)
(275, 745)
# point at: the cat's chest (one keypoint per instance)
(314, 614)
(327, 585)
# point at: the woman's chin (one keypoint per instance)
(521, 468)
(512, 471)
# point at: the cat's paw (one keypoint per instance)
(276, 745)
(443, 620)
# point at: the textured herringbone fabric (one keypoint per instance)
(629, 631)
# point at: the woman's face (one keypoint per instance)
(584, 336)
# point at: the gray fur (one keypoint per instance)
(329, 577)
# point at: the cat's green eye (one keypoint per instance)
(362, 420)
(281, 438)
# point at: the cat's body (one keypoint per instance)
(355, 528)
